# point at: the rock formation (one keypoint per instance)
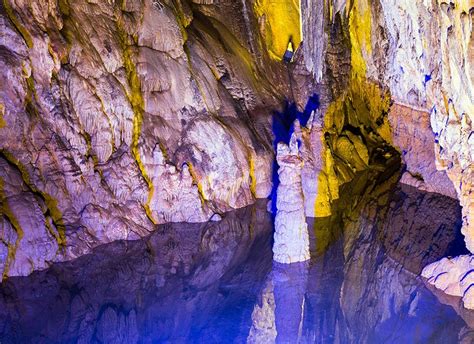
(454, 277)
(419, 55)
(417, 51)
(119, 115)
(291, 243)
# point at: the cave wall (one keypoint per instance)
(119, 115)
(403, 70)
(116, 116)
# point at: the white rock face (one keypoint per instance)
(431, 68)
(175, 196)
(125, 114)
(413, 137)
(454, 276)
(291, 231)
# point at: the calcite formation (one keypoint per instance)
(454, 276)
(119, 115)
(419, 51)
(291, 230)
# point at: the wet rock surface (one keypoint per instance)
(116, 116)
(215, 282)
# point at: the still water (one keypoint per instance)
(216, 283)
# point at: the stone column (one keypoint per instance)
(291, 241)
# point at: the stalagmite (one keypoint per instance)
(291, 231)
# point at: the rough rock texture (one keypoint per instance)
(419, 55)
(291, 237)
(430, 67)
(118, 115)
(466, 335)
(415, 54)
(351, 136)
(413, 136)
(454, 277)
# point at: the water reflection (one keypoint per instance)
(216, 283)
(279, 316)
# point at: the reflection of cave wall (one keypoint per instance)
(362, 281)
(180, 282)
(363, 285)
(215, 281)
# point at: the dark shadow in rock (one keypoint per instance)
(421, 228)
(382, 297)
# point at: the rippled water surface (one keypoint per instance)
(216, 283)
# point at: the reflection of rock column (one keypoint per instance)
(279, 315)
(291, 231)
(263, 318)
(289, 288)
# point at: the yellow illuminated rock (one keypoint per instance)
(2, 111)
(360, 33)
(363, 105)
(279, 22)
